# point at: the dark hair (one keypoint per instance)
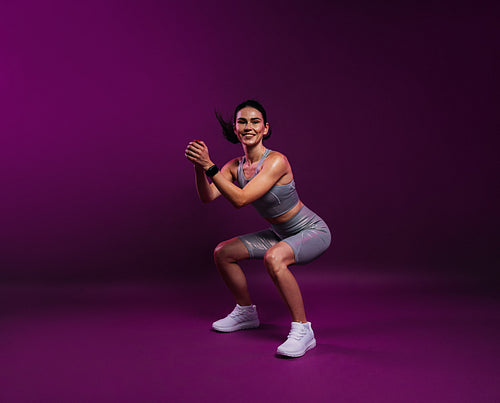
(227, 126)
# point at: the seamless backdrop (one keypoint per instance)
(388, 114)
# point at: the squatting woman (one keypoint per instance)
(296, 235)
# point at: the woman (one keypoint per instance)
(296, 236)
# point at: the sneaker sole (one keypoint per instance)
(310, 346)
(241, 326)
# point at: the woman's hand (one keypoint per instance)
(197, 153)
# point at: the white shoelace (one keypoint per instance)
(237, 313)
(297, 333)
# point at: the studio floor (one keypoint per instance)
(396, 336)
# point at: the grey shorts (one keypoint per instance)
(306, 233)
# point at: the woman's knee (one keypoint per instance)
(221, 252)
(230, 251)
(271, 259)
(277, 258)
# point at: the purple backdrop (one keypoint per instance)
(386, 115)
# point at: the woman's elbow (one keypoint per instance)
(239, 203)
(206, 199)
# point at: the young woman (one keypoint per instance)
(296, 235)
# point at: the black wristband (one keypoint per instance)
(212, 171)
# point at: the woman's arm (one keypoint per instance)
(271, 172)
(275, 167)
(207, 191)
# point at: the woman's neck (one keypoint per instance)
(255, 153)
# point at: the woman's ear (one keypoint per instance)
(266, 130)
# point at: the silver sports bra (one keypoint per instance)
(278, 200)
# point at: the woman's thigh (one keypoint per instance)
(232, 249)
(258, 243)
(309, 244)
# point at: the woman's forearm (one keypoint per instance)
(229, 190)
(206, 192)
(197, 152)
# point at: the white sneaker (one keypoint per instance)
(300, 339)
(241, 318)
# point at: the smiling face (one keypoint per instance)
(250, 126)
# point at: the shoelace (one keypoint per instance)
(297, 333)
(239, 313)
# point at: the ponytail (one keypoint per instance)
(227, 128)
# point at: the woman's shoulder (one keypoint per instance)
(276, 157)
(277, 162)
(234, 162)
(230, 169)
(232, 166)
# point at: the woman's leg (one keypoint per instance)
(226, 256)
(277, 259)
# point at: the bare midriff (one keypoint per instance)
(285, 217)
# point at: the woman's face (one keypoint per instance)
(250, 126)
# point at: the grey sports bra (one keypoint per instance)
(278, 200)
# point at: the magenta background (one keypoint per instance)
(387, 114)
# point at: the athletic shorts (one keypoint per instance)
(306, 233)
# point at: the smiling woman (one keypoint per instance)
(228, 127)
(296, 235)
